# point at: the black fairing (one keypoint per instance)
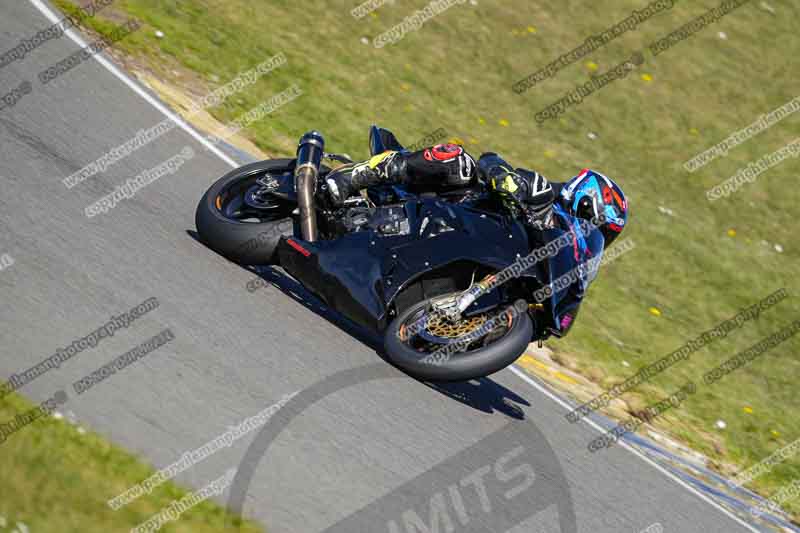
(361, 273)
(587, 252)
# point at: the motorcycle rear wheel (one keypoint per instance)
(235, 230)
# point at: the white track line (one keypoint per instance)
(183, 125)
(52, 17)
(525, 377)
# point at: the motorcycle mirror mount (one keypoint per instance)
(341, 158)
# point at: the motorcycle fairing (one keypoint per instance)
(361, 273)
(583, 259)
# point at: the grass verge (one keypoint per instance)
(73, 472)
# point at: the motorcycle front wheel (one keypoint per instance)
(431, 348)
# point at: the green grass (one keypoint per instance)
(456, 73)
(57, 480)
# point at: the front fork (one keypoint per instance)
(452, 306)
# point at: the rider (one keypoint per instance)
(526, 193)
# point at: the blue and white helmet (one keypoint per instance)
(595, 197)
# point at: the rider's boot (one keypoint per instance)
(388, 167)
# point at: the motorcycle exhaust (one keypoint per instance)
(310, 151)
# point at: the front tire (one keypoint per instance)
(247, 240)
(500, 349)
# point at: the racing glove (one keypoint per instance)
(527, 193)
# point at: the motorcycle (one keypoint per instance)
(445, 275)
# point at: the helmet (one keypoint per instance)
(595, 197)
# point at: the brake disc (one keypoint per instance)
(442, 330)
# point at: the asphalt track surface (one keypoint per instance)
(376, 448)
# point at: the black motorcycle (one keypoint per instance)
(447, 276)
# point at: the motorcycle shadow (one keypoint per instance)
(484, 394)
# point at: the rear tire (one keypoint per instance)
(246, 243)
(472, 364)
